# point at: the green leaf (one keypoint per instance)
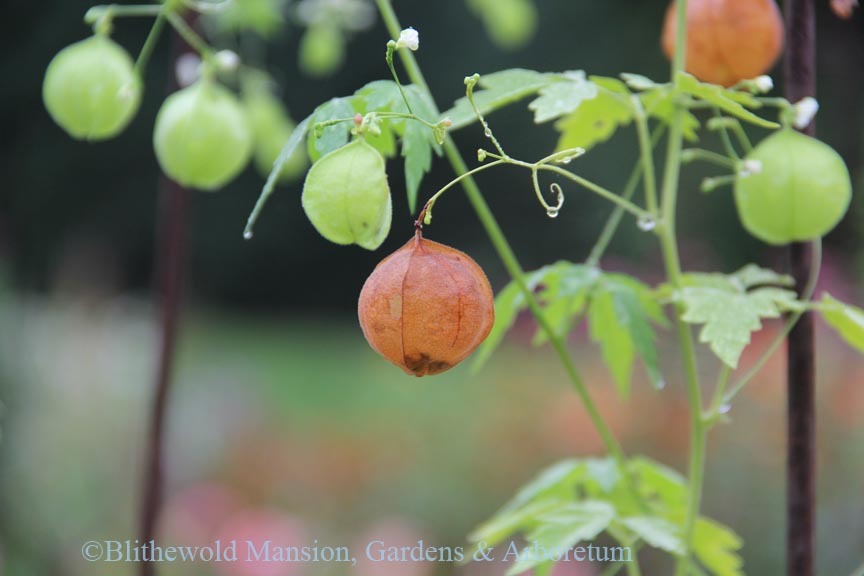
(498, 90)
(660, 484)
(558, 479)
(619, 320)
(545, 492)
(846, 319)
(752, 275)
(417, 151)
(381, 96)
(660, 104)
(562, 529)
(560, 98)
(730, 101)
(508, 303)
(331, 137)
(729, 313)
(564, 289)
(638, 82)
(656, 532)
(418, 142)
(716, 547)
(507, 524)
(595, 120)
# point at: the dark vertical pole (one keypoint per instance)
(800, 81)
(169, 264)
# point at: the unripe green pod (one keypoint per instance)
(347, 198)
(799, 191)
(91, 89)
(202, 137)
(322, 50)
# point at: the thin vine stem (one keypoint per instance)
(511, 263)
(150, 42)
(647, 155)
(672, 262)
(189, 35)
(614, 220)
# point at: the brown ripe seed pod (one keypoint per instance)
(426, 307)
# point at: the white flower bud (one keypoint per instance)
(188, 69)
(227, 60)
(409, 38)
(763, 84)
(805, 110)
(750, 167)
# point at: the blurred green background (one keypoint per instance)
(283, 421)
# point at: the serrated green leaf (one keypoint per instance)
(660, 104)
(563, 293)
(656, 532)
(752, 275)
(498, 90)
(595, 120)
(730, 316)
(560, 98)
(331, 137)
(716, 547)
(507, 524)
(545, 492)
(730, 101)
(417, 151)
(613, 338)
(508, 303)
(660, 485)
(638, 82)
(561, 530)
(381, 95)
(846, 319)
(618, 319)
(557, 479)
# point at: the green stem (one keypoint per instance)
(647, 155)
(724, 137)
(190, 36)
(391, 47)
(614, 219)
(669, 246)
(505, 252)
(693, 154)
(150, 42)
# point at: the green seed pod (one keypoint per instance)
(91, 89)
(271, 128)
(799, 190)
(202, 137)
(347, 198)
(322, 50)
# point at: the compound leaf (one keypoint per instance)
(498, 90)
(716, 547)
(729, 313)
(560, 98)
(595, 120)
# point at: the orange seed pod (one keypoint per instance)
(426, 307)
(728, 40)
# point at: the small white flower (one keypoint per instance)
(409, 38)
(763, 84)
(750, 167)
(227, 60)
(805, 110)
